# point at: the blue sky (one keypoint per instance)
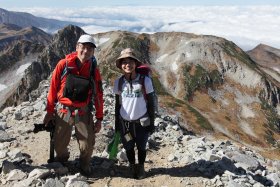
(245, 22)
(92, 3)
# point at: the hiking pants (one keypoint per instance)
(84, 130)
(138, 135)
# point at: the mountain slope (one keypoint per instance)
(268, 58)
(209, 83)
(11, 34)
(23, 19)
(19, 47)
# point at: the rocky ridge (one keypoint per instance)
(175, 156)
(24, 19)
(42, 63)
(11, 34)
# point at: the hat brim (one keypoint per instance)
(90, 43)
(118, 61)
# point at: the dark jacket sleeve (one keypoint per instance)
(151, 111)
(117, 112)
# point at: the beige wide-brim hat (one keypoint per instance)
(127, 53)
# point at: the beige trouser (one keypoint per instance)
(84, 131)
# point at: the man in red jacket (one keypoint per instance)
(76, 86)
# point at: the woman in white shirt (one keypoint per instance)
(134, 110)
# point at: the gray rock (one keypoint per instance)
(72, 178)
(3, 153)
(171, 158)
(276, 164)
(53, 183)
(8, 110)
(231, 183)
(15, 153)
(7, 167)
(16, 175)
(3, 125)
(258, 185)
(245, 161)
(4, 145)
(4, 136)
(78, 184)
(27, 111)
(274, 177)
(39, 173)
(122, 155)
(40, 106)
(18, 115)
(25, 182)
(212, 157)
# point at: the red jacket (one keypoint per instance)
(57, 86)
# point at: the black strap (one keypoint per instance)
(93, 65)
(121, 81)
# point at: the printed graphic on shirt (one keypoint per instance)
(135, 92)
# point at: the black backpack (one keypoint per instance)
(77, 87)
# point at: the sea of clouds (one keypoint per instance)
(247, 26)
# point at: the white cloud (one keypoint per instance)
(246, 26)
(2, 87)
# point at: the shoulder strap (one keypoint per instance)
(120, 83)
(93, 65)
(142, 82)
(65, 70)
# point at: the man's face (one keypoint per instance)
(85, 51)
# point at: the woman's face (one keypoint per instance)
(128, 65)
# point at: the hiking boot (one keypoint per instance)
(133, 170)
(141, 174)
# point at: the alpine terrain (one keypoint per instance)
(218, 120)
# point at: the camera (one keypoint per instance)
(42, 127)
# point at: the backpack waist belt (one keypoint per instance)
(131, 121)
(71, 111)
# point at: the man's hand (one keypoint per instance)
(97, 126)
(48, 117)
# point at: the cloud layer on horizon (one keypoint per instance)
(247, 26)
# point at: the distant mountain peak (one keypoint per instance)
(8, 27)
(24, 19)
(262, 46)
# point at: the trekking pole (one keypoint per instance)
(51, 156)
(49, 128)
